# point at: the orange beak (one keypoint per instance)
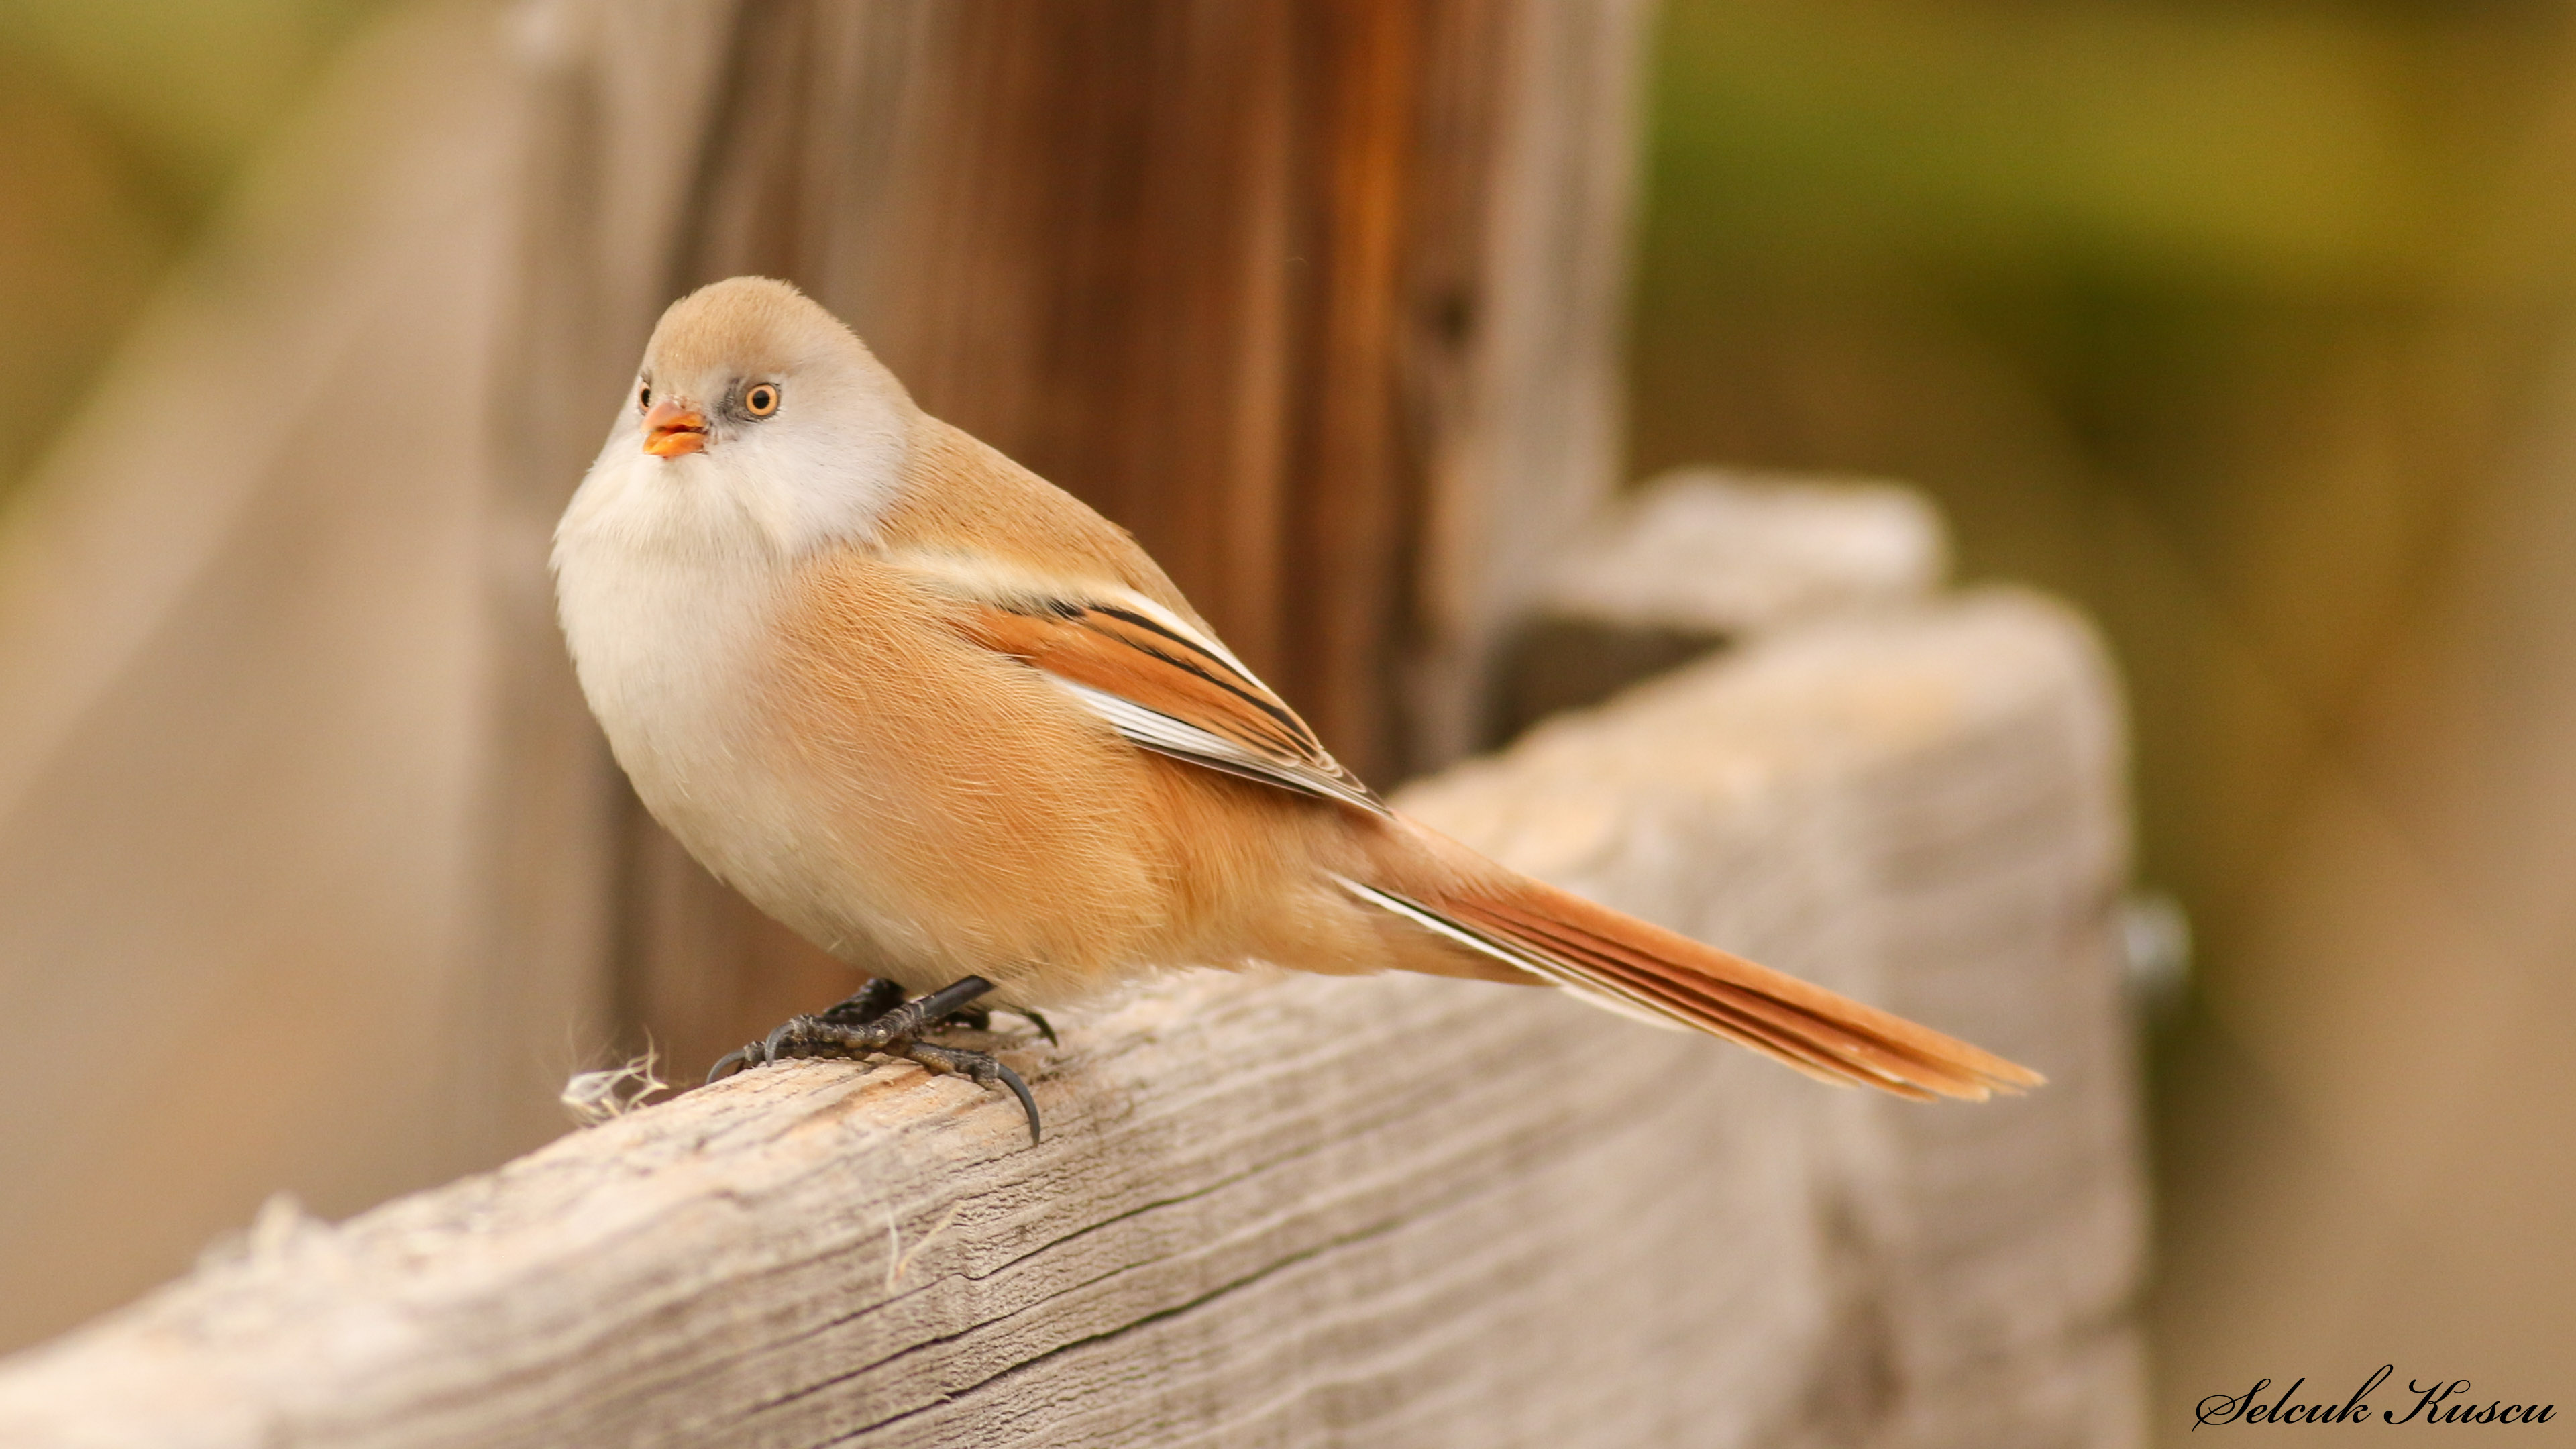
(672, 428)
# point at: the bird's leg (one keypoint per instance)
(866, 1024)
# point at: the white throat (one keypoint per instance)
(668, 574)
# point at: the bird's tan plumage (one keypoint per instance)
(945, 720)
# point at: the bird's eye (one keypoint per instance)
(644, 397)
(761, 399)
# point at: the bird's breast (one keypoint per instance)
(826, 741)
(668, 651)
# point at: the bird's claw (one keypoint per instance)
(982, 1068)
(877, 1020)
(734, 1061)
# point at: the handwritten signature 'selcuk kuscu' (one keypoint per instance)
(2440, 1402)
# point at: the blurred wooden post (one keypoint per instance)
(1316, 297)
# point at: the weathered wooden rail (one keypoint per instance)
(1377, 1212)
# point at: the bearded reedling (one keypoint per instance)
(951, 725)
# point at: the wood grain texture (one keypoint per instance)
(1306, 1211)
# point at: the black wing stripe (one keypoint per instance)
(1215, 671)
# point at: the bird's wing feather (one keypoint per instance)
(1158, 679)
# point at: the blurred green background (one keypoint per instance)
(2213, 315)
(121, 123)
(2203, 312)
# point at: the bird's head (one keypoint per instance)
(755, 412)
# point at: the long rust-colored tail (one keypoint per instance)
(1641, 969)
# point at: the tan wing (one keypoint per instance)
(1161, 683)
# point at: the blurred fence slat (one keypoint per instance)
(252, 731)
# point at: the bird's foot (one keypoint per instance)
(871, 1001)
(880, 996)
(877, 1021)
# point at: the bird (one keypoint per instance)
(951, 725)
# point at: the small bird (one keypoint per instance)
(958, 730)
